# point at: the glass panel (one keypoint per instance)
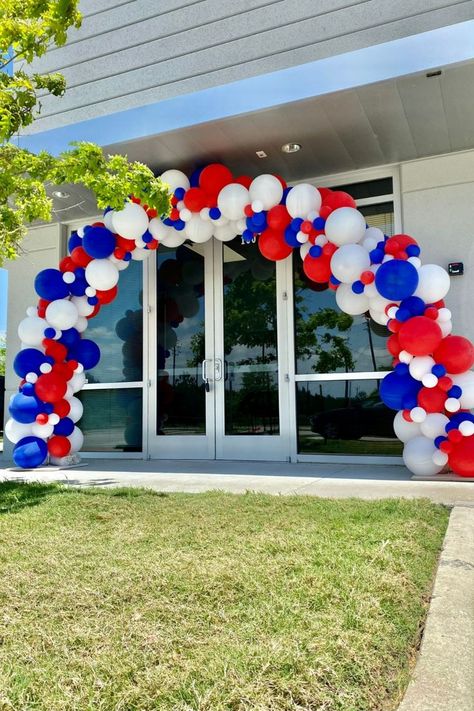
(344, 417)
(118, 331)
(368, 189)
(381, 216)
(180, 341)
(112, 420)
(250, 341)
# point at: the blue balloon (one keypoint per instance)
(414, 305)
(74, 241)
(399, 391)
(49, 285)
(64, 427)
(25, 408)
(318, 223)
(358, 287)
(290, 237)
(396, 279)
(28, 361)
(99, 242)
(30, 452)
(376, 255)
(69, 337)
(78, 286)
(457, 418)
(86, 352)
(315, 251)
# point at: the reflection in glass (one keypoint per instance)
(344, 417)
(118, 331)
(112, 420)
(250, 341)
(180, 341)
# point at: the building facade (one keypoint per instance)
(260, 365)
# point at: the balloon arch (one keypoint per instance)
(431, 387)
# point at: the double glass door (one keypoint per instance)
(216, 355)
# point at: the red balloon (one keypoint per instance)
(50, 387)
(59, 446)
(63, 371)
(339, 198)
(62, 408)
(461, 458)
(128, 245)
(278, 217)
(272, 245)
(95, 311)
(56, 350)
(456, 353)
(402, 240)
(80, 257)
(324, 192)
(283, 182)
(67, 265)
(214, 177)
(393, 345)
(317, 269)
(195, 199)
(105, 297)
(244, 180)
(420, 336)
(432, 399)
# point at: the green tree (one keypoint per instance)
(28, 28)
(3, 354)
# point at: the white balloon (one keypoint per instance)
(232, 199)
(31, 330)
(82, 324)
(444, 314)
(175, 179)
(175, 238)
(158, 229)
(374, 233)
(77, 381)
(452, 404)
(440, 458)
(349, 302)
(76, 439)
(101, 274)
(379, 317)
(349, 261)
(198, 230)
(17, 430)
(62, 314)
(466, 428)
(43, 431)
(434, 425)
(139, 255)
(75, 413)
(267, 190)
(446, 327)
(304, 249)
(346, 225)
(418, 456)
(107, 220)
(418, 414)
(131, 222)
(225, 233)
(405, 430)
(302, 200)
(429, 380)
(420, 366)
(433, 283)
(84, 308)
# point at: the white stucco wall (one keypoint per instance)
(41, 249)
(437, 197)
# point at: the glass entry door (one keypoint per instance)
(216, 354)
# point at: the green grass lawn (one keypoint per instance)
(135, 601)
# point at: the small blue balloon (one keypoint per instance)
(403, 314)
(86, 352)
(179, 193)
(69, 337)
(247, 234)
(376, 255)
(284, 196)
(25, 408)
(396, 279)
(49, 332)
(168, 221)
(290, 237)
(78, 287)
(438, 370)
(413, 250)
(250, 225)
(381, 244)
(74, 241)
(127, 257)
(358, 287)
(147, 237)
(318, 223)
(259, 219)
(49, 285)
(399, 391)
(439, 440)
(64, 427)
(179, 225)
(455, 391)
(214, 213)
(333, 280)
(30, 452)
(296, 223)
(99, 242)
(414, 305)
(315, 251)
(402, 369)
(80, 273)
(28, 361)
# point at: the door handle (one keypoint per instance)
(217, 369)
(204, 375)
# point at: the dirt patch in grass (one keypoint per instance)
(132, 601)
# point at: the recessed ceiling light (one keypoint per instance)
(261, 154)
(291, 147)
(60, 194)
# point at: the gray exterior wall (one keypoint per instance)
(128, 54)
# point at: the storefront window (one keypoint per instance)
(112, 420)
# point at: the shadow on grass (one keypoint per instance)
(17, 495)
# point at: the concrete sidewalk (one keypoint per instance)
(326, 480)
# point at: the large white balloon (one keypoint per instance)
(225, 233)
(175, 179)
(434, 425)
(62, 314)
(405, 430)
(31, 330)
(17, 430)
(131, 222)
(42, 431)
(76, 439)
(232, 199)
(267, 189)
(102, 274)
(198, 230)
(348, 262)
(84, 308)
(302, 200)
(75, 413)
(349, 302)
(420, 366)
(346, 225)
(77, 382)
(466, 383)
(433, 283)
(159, 230)
(418, 456)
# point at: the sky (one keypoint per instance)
(3, 299)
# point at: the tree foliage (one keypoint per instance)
(27, 29)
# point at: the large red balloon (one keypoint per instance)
(456, 353)
(80, 257)
(317, 269)
(195, 199)
(59, 446)
(62, 408)
(273, 246)
(278, 217)
(214, 177)
(461, 459)
(420, 336)
(105, 297)
(339, 198)
(244, 180)
(432, 399)
(50, 387)
(393, 345)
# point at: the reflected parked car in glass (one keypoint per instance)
(367, 418)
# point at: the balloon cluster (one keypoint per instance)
(431, 386)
